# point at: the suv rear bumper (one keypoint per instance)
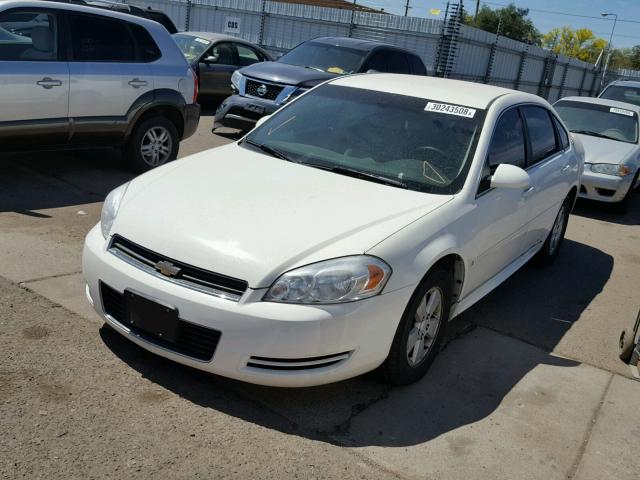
(233, 112)
(191, 115)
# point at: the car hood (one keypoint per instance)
(603, 150)
(247, 215)
(288, 74)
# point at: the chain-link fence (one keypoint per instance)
(447, 47)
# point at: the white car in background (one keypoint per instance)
(609, 132)
(340, 235)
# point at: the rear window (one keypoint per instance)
(100, 39)
(622, 94)
(148, 51)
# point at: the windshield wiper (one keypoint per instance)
(315, 68)
(362, 175)
(271, 151)
(592, 133)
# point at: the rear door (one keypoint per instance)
(34, 79)
(550, 165)
(107, 76)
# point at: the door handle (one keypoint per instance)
(565, 169)
(528, 191)
(137, 83)
(49, 83)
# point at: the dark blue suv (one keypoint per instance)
(260, 89)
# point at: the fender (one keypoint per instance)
(162, 97)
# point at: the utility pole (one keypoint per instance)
(475, 17)
(406, 8)
(608, 57)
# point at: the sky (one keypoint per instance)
(547, 14)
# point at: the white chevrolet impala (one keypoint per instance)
(339, 236)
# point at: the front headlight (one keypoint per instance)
(611, 169)
(235, 80)
(338, 280)
(110, 208)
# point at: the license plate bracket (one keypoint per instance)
(151, 317)
(252, 107)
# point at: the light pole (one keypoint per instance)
(606, 63)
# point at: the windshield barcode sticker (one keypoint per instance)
(450, 109)
(621, 111)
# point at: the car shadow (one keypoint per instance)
(468, 381)
(606, 212)
(34, 181)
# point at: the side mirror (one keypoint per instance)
(261, 120)
(510, 176)
(211, 59)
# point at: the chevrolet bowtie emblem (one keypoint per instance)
(167, 268)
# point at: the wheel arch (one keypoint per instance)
(163, 102)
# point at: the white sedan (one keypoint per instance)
(340, 235)
(609, 132)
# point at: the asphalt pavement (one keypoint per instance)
(528, 386)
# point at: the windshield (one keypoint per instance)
(192, 47)
(395, 139)
(622, 94)
(324, 57)
(599, 120)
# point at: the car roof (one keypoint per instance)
(354, 43)
(8, 4)
(213, 37)
(625, 83)
(457, 92)
(604, 101)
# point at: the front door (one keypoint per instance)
(34, 81)
(215, 70)
(500, 216)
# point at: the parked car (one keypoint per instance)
(214, 57)
(623, 91)
(608, 130)
(341, 235)
(155, 15)
(76, 76)
(263, 88)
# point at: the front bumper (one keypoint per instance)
(191, 117)
(605, 188)
(234, 112)
(252, 328)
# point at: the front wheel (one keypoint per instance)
(551, 246)
(625, 345)
(420, 332)
(153, 142)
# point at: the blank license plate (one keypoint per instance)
(151, 317)
(254, 108)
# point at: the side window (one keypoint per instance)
(397, 62)
(378, 62)
(224, 53)
(507, 145)
(148, 51)
(417, 67)
(28, 36)
(100, 39)
(246, 55)
(541, 133)
(562, 134)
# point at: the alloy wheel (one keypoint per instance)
(422, 335)
(156, 146)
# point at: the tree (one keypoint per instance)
(513, 23)
(580, 43)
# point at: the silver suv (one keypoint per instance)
(75, 76)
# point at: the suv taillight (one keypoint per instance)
(195, 86)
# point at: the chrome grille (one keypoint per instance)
(187, 276)
(272, 91)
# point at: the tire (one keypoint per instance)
(625, 345)
(551, 246)
(405, 365)
(622, 206)
(154, 142)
